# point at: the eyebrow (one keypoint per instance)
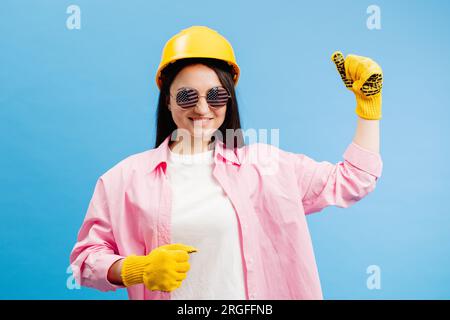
(189, 87)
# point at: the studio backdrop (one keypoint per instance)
(78, 95)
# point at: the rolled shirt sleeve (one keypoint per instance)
(342, 184)
(95, 250)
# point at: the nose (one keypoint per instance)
(202, 106)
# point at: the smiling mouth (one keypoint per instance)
(200, 119)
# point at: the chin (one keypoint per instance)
(204, 132)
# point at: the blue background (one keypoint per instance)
(75, 102)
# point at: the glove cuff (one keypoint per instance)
(369, 108)
(133, 270)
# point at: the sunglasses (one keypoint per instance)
(216, 97)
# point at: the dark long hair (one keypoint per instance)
(165, 125)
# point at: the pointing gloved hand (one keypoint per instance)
(364, 77)
(164, 268)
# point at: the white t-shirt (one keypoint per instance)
(204, 217)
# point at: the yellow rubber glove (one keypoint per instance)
(164, 268)
(364, 77)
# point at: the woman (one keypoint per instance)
(203, 196)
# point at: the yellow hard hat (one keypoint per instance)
(197, 42)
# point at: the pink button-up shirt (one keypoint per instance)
(271, 191)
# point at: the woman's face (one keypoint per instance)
(202, 78)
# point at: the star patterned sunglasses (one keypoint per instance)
(217, 97)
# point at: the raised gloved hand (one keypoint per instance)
(365, 78)
(164, 268)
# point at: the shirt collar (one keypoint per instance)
(159, 156)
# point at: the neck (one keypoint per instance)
(190, 147)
